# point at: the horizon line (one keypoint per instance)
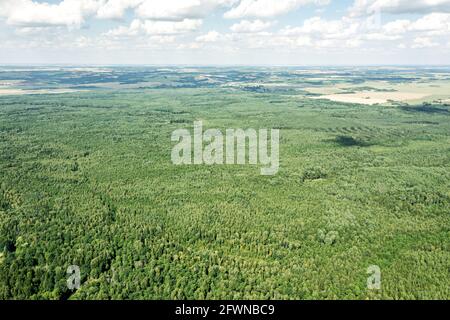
(216, 65)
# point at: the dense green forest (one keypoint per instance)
(87, 180)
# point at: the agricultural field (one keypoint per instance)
(87, 179)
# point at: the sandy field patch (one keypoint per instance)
(15, 92)
(328, 90)
(7, 92)
(371, 98)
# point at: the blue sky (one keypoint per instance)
(251, 32)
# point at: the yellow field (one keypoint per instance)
(370, 97)
(414, 92)
(11, 92)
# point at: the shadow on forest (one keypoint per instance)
(349, 141)
(425, 109)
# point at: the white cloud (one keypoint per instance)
(328, 29)
(82, 42)
(73, 13)
(353, 43)
(317, 25)
(150, 27)
(303, 41)
(432, 24)
(179, 9)
(171, 27)
(368, 7)
(268, 8)
(246, 26)
(189, 46)
(212, 36)
(423, 42)
(437, 22)
(397, 27)
(115, 9)
(170, 24)
(28, 13)
(134, 29)
(162, 39)
(381, 37)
